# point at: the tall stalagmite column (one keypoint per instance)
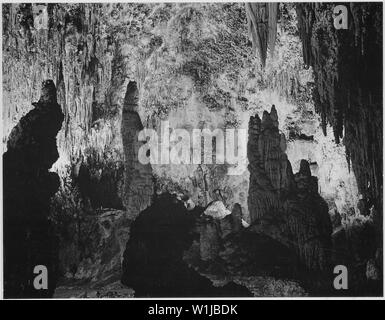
(138, 181)
(284, 206)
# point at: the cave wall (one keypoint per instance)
(70, 49)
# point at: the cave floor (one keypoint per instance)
(87, 290)
(259, 286)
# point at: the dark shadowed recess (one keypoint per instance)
(153, 261)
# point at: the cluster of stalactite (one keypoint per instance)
(70, 46)
(348, 93)
(28, 186)
(77, 47)
(283, 205)
(348, 81)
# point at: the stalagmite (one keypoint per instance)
(28, 187)
(284, 206)
(138, 181)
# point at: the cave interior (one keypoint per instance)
(304, 197)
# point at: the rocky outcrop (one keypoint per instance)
(153, 261)
(284, 206)
(226, 251)
(95, 256)
(215, 226)
(210, 239)
(138, 180)
(28, 187)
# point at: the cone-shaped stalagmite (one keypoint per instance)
(138, 183)
(284, 206)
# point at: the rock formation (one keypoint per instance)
(262, 24)
(284, 206)
(348, 95)
(348, 92)
(138, 181)
(215, 228)
(28, 187)
(153, 261)
(226, 251)
(97, 259)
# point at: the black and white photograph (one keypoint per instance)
(192, 150)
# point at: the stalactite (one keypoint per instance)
(348, 92)
(272, 23)
(79, 64)
(262, 24)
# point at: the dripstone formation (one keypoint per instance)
(347, 66)
(28, 187)
(290, 231)
(282, 205)
(138, 181)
